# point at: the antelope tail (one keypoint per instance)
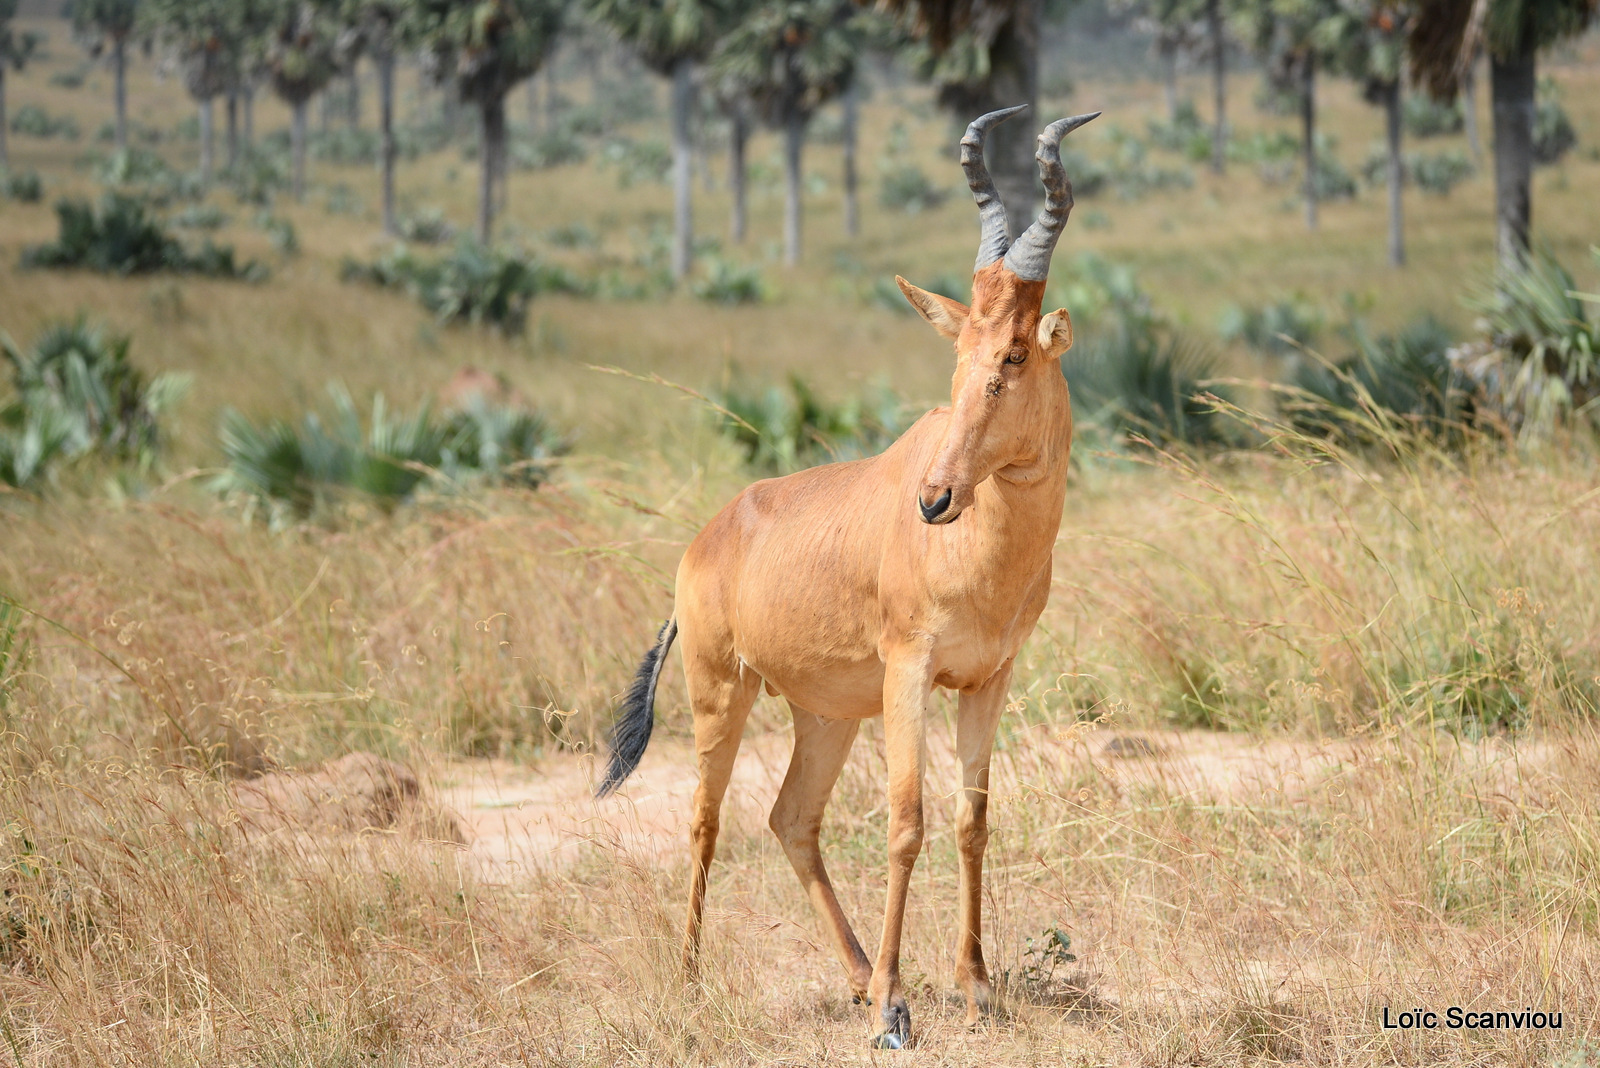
(630, 734)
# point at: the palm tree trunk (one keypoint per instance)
(297, 148)
(249, 116)
(552, 96)
(119, 89)
(794, 139)
(207, 141)
(3, 121)
(682, 178)
(738, 134)
(1219, 85)
(384, 60)
(852, 120)
(233, 128)
(489, 147)
(1397, 237)
(1169, 74)
(1308, 121)
(1014, 79)
(1469, 110)
(1511, 89)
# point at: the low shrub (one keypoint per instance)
(1279, 328)
(142, 173)
(572, 235)
(76, 392)
(1403, 379)
(554, 148)
(637, 161)
(426, 227)
(1423, 116)
(1185, 133)
(727, 282)
(33, 121)
(471, 284)
(907, 188)
(1553, 133)
(1133, 372)
(1332, 180)
(785, 429)
(280, 231)
(120, 236)
(72, 78)
(25, 187)
(259, 174)
(1535, 363)
(1130, 173)
(1439, 172)
(293, 469)
(200, 217)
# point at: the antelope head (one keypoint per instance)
(1008, 395)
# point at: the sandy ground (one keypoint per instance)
(542, 815)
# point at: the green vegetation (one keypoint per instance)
(75, 392)
(1132, 372)
(25, 187)
(471, 284)
(119, 235)
(782, 429)
(34, 121)
(292, 469)
(1400, 381)
(727, 282)
(1536, 363)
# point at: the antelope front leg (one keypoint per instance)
(976, 722)
(907, 686)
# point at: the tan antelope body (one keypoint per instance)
(854, 589)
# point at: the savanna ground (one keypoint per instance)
(1303, 734)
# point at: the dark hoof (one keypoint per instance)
(896, 1033)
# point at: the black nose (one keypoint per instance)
(932, 512)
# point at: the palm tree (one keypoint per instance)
(15, 51)
(210, 40)
(791, 57)
(110, 24)
(375, 26)
(670, 37)
(1291, 36)
(485, 48)
(1198, 27)
(302, 57)
(1444, 39)
(1365, 39)
(983, 56)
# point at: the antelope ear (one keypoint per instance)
(947, 316)
(1055, 333)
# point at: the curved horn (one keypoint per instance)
(1029, 258)
(995, 239)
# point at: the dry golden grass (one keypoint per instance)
(1402, 812)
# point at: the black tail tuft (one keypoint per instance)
(631, 732)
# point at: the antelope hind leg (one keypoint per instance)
(976, 722)
(721, 697)
(821, 747)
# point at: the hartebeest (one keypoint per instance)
(852, 591)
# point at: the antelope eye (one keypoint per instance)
(1017, 356)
